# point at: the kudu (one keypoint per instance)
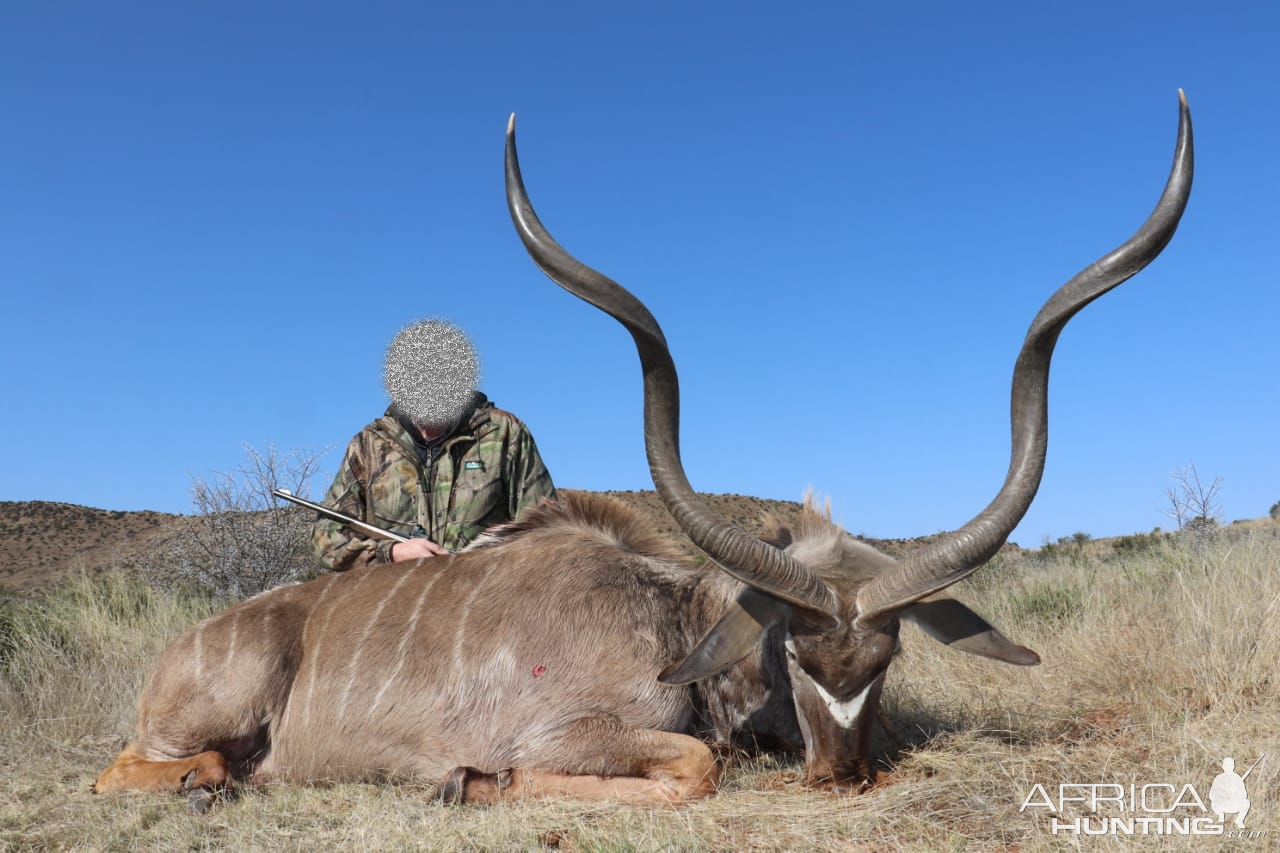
(574, 653)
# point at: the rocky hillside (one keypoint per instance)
(41, 541)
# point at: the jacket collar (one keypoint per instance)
(470, 424)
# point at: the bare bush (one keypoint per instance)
(1192, 503)
(241, 540)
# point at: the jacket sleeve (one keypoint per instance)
(336, 546)
(528, 480)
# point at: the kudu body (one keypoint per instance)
(574, 653)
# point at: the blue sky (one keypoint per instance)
(214, 216)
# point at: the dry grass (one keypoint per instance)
(1157, 664)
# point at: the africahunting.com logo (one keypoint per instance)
(1157, 808)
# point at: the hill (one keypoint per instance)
(42, 542)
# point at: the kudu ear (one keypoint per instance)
(730, 640)
(950, 622)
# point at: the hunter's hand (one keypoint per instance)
(415, 549)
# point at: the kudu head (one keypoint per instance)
(839, 609)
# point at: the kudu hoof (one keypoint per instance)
(452, 790)
(486, 787)
(200, 800)
(203, 797)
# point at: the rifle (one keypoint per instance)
(354, 523)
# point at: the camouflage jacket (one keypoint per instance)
(485, 472)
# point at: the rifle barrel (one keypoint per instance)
(354, 523)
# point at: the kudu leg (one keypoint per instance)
(210, 696)
(133, 772)
(601, 760)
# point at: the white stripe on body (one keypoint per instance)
(199, 641)
(315, 651)
(231, 643)
(460, 636)
(353, 667)
(402, 651)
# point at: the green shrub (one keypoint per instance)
(1137, 543)
(1053, 602)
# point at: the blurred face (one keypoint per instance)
(431, 372)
